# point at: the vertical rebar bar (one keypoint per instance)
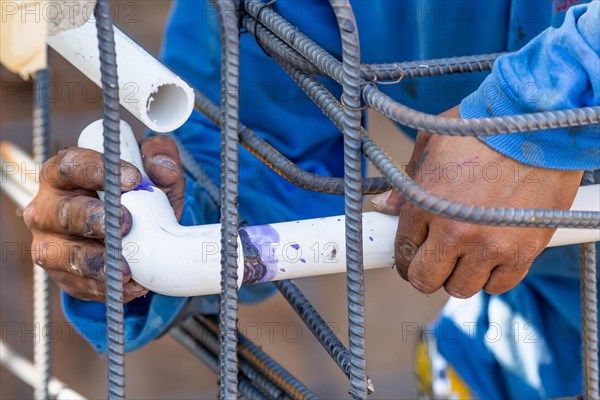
(41, 280)
(112, 205)
(230, 55)
(351, 96)
(589, 322)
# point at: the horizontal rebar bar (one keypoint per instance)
(410, 117)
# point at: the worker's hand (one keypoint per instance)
(431, 251)
(67, 218)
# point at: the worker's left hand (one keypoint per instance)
(431, 251)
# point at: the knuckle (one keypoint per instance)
(31, 216)
(64, 212)
(64, 161)
(460, 292)
(405, 250)
(160, 141)
(422, 283)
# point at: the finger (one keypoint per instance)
(433, 263)
(505, 277)
(133, 290)
(79, 287)
(469, 277)
(83, 168)
(411, 233)
(74, 215)
(163, 166)
(84, 258)
(92, 290)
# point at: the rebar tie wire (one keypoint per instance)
(112, 201)
(41, 280)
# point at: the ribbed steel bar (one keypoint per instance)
(285, 52)
(255, 356)
(430, 202)
(422, 68)
(374, 72)
(197, 328)
(351, 125)
(410, 117)
(112, 206)
(589, 322)
(480, 126)
(211, 360)
(230, 65)
(41, 280)
(317, 325)
(281, 164)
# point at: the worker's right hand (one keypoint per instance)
(66, 217)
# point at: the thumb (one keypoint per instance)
(389, 202)
(163, 166)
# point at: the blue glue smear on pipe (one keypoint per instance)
(146, 185)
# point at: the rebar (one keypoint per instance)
(211, 360)
(410, 117)
(112, 201)
(351, 125)
(255, 356)
(589, 322)
(211, 341)
(230, 65)
(41, 280)
(373, 72)
(418, 69)
(319, 328)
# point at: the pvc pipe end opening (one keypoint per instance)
(168, 107)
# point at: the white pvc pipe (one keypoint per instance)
(147, 89)
(185, 261)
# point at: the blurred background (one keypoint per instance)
(163, 370)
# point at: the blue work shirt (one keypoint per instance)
(276, 109)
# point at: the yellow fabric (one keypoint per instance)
(457, 389)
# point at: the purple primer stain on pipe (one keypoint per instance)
(295, 246)
(260, 261)
(146, 184)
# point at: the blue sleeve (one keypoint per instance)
(148, 317)
(558, 70)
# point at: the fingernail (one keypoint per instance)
(379, 201)
(135, 288)
(126, 221)
(129, 176)
(125, 269)
(166, 162)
